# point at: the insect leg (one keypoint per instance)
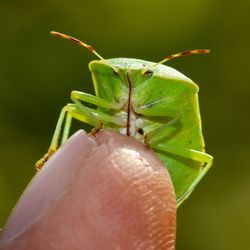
(82, 115)
(160, 132)
(78, 113)
(190, 154)
(65, 134)
(77, 95)
(54, 142)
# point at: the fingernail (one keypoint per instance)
(41, 192)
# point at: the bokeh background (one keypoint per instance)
(37, 73)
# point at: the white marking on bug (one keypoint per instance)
(135, 124)
(132, 128)
(123, 131)
(139, 123)
(123, 116)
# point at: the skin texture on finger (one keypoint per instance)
(101, 192)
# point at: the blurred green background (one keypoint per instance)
(37, 73)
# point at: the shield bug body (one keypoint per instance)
(154, 103)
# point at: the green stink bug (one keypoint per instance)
(154, 103)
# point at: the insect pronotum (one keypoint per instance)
(154, 103)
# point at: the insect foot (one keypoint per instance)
(39, 164)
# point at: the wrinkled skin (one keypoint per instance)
(103, 192)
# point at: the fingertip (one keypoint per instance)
(47, 185)
(105, 192)
(146, 186)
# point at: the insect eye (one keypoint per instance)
(148, 73)
(140, 131)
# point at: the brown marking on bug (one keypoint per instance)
(129, 104)
(146, 142)
(90, 48)
(39, 164)
(95, 130)
(170, 57)
(54, 33)
(203, 51)
(75, 40)
(183, 53)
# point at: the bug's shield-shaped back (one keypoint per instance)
(161, 100)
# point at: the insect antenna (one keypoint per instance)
(71, 38)
(183, 53)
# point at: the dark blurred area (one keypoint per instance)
(38, 72)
